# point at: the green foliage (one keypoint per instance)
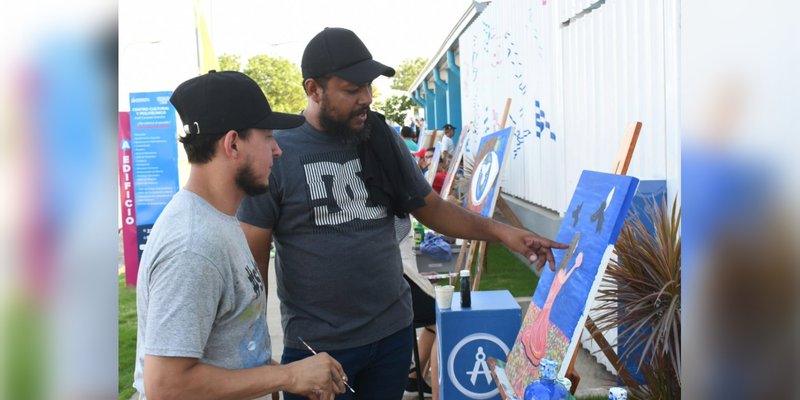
(395, 108)
(127, 323)
(26, 352)
(642, 297)
(230, 62)
(281, 81)
(407, 72)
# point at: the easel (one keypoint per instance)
(468, 248)
(621, 164)
(431, 139)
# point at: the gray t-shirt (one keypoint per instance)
(199, 293)
(338, 268)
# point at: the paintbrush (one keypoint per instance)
(315, 353)
(570, 251)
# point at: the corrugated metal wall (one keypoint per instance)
(578, 73)
(510, 52)
(614, 63)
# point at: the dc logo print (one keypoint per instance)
(468, 366)
(338, 193)
(484, 178)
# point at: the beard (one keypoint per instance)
(341, 128)
(246, 180)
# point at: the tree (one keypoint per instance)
(230, 62)
(281, 81)
(395, 108)
(407, 72)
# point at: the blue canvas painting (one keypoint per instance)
(554, 320)
(484, 184)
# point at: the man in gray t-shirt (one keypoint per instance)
(329, 209)
(200, 300)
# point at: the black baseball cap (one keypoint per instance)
(448, 126)
(340, 52)
(217, 102)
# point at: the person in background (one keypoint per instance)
(408, 137)
(201, 303)
(425, 158)
(448, 146)
(334, 205)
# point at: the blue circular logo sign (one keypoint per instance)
(468, 366)
(484, 177)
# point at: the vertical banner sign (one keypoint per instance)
(127, 199)
(155, 162)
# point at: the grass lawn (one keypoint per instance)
(506, 271)
(127, 338)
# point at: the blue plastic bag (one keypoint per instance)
(436, 247)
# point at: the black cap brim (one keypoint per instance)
(276, 120)
(364, 71)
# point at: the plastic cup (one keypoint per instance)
(444, 296)
(617, 393)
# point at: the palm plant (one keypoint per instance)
(641, 296)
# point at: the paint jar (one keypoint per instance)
(547, 387)
(419, 232)
(466, 299)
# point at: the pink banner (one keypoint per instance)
(126, 199)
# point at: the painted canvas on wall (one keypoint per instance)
(485, 181)
(557, 313)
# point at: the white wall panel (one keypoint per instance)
(512, 48)
(615, 73)
(592, 67)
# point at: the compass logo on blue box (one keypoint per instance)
(468, 366)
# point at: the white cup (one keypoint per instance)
(444, 296)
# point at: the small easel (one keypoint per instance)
(431, 139)
(468, 248)
(621, 164)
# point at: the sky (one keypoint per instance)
(393, 31)
(157, 38)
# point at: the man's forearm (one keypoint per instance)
(204, 381)
(454, 221)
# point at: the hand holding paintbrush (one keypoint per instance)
(344, 378)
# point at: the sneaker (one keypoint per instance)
(412, 389)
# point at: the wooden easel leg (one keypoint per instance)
(598, 337)
(470, 255)
(507, 213)
(465, 247)
(476, 283)
(572, 374)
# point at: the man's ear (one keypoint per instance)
(230, 144)
(313, 89)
